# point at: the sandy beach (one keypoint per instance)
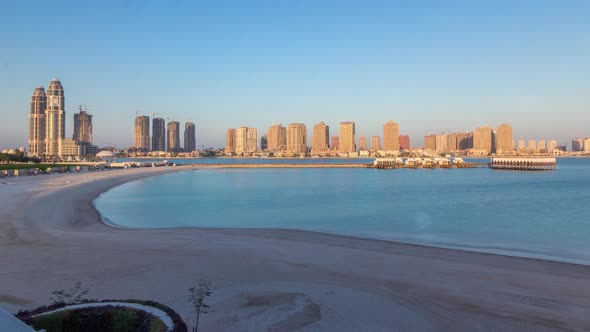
(52, 237)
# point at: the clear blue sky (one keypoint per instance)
(428, 65)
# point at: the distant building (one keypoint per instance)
(335, 143)
(37, 122)
(587, 144)
(70, 148)
(532, 145)
(375, 143)
(347, 137)
(230, 141)
(362, 143)
(173, 139)
(55, 121)
(264, 143)
(482, 139)
(246, 140)
(320, 138)
(541, 146)
(391, 136)
(404, 142)
(430, 142)
(277, 138)
(441, 143)
(552, 145)
(521, 145)
(190, 137)
(577, 144)
(158, 134)
(83, 127)
(296, 138)
(465, 141)
(252, 140)
(141, 136)
(453, 142)
(504, 141)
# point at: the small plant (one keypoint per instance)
(197, 299)
(69, 296)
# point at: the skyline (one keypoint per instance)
(458, 65)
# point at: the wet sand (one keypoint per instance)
(51, 237)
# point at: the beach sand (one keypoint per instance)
(52, 237)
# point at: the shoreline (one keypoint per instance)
(293, 269)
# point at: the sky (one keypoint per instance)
(431, 66)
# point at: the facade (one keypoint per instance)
(504, 141)
(190, 137)
(532, 145)
(453, 142)
(347, 138)
(375, 142)
(55, 121)
(230, 141)
(83, 127)
(252, 140)
(482, 139)
(577, 144)
(158, 135)
(465, 141)
(320, 139)
(37, 128)
(587, 144)
(335, 143)
(70, 148)
(277, 138)
(404, 142)
(430, 142)
(264, 143)
(391, 136)
(362, 143)
(521, 144)
(441, 143)
(552, 145)
(542, 146)
(173, 141)
(246, 140)
(296, 138)
(141, 136)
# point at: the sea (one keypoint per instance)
(538, 214)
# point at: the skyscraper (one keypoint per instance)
(577, 144)
(347, 137)
(55, 121)
(335, 143)
(404, 142)
(465, 141)
(430, 142)
(320, 139)
(441, 143)
(552, 145)
(173, 141)
(504, 140)
(37, 122)
(230, 141)
(252, 140)
(158, 135)
(141, 136)
(375, 142)
(264, 143)
(296, 138)
(82, 127)
(190, 138)
(362, 143)
(532, 145)
(452, 142)
(521, 144)
(391, 136)
(277, 137)
(246, 139)
(482, 139)
(541, 146)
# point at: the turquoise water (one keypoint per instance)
(535, 214)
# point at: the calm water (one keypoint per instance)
(537, 214)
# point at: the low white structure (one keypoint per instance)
(10, 323)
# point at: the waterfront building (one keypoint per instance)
(504, 141)
(482, 139)
(552, 145)
(37, 128)
(441, 143)
(375, 143)
(391, 136)
(430, 142)
(532, 145)
(173, 141)
(83, 127)
(453, 142)
(190, 137)
(55, 121)
(465, 141)
(577, 144)
(230, 141)
(296, 138)
(264, 143)
(335, 143)
(252, 140)
(404, 142)
(347, 137)
(158, 135)
(320, 139)
(521, 145)
(70, 148)
(246, 139)
(541, 146)
(362, 143)
(141, 136)
(277, 138)
(587, 144)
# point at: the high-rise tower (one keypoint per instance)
(297, 138)
(190, 138)
(83, 127)
(158, 135)
(504, 141)
(277, 137)
(173, 136)
(37, 122)
(347, 140)
(320, 138)
(55, 121)
(141, 135)
(391, 136)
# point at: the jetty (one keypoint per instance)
(524, 164)
(413, 163)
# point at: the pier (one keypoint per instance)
(413, 163)
(524, 164)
